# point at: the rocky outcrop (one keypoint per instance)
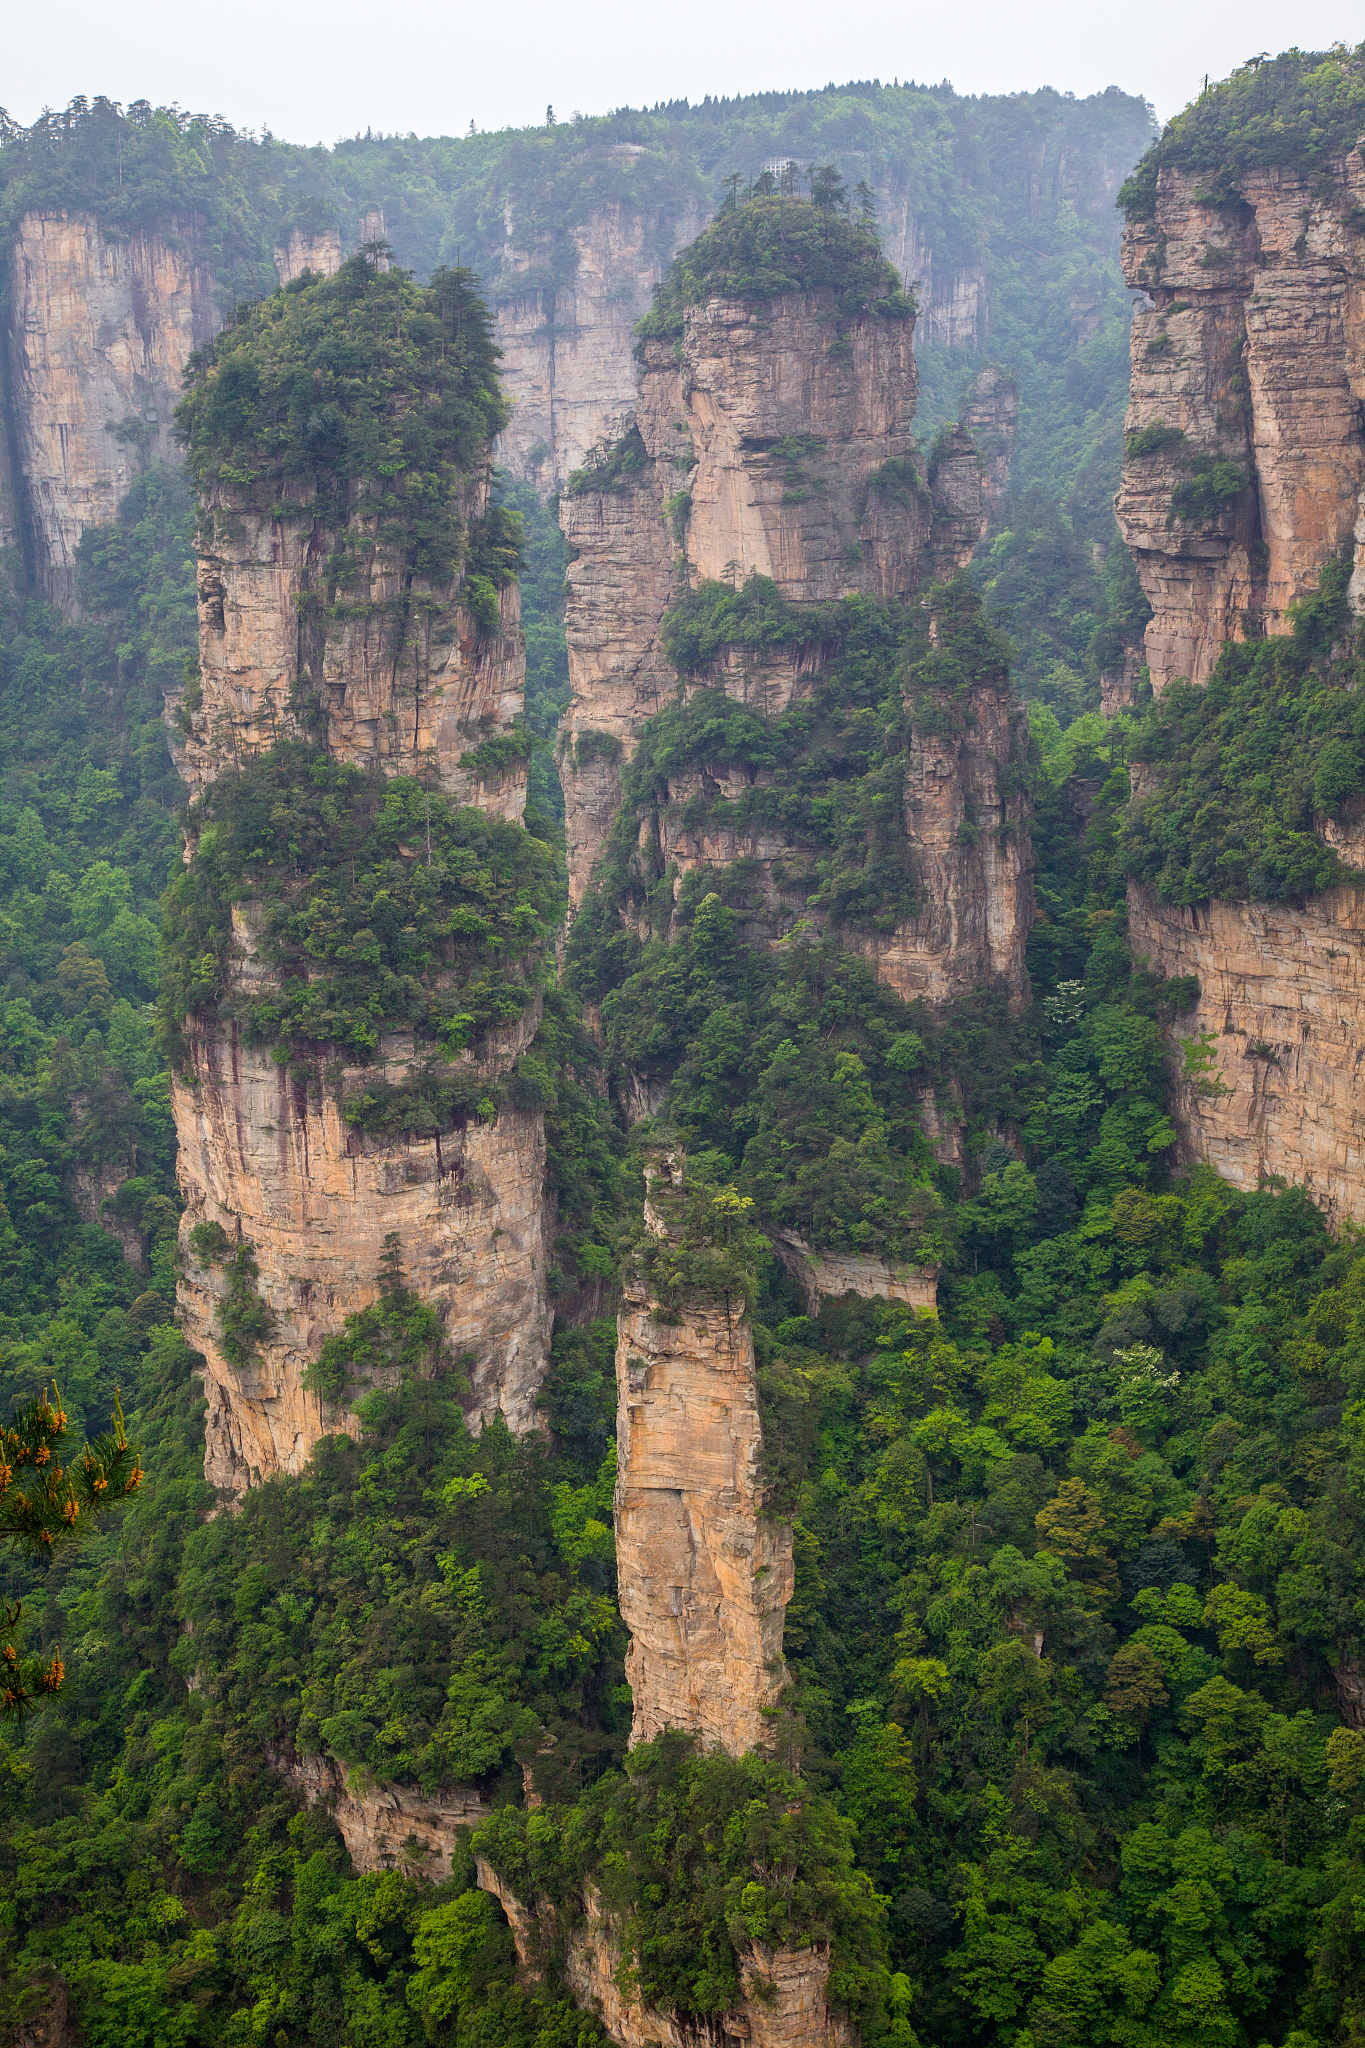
(403, 677)
(704, 1574)
(319, 253)
(784, 2002)
(265, 1157)
(967, 815)
(567, 345)
(398, 676)
(990, 415)
(761, 447)
(385, 1827)
(43, 2015)
(567, 364)
(1276, 1092)
(828, 1275)
(1248, 352)
(704, 1577)
(99, 330)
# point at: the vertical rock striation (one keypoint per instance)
(777, 440)
(318, 627)
(567, 364)
(785, 2001)
(401, 675)
(1244, 475)
(1246, 452)
(1280, 1007)
(704, 1578)
(100, 329)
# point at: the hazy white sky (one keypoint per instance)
(314, 72)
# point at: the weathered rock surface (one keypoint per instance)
(261, 1155)
(967, 815)
(764, 450)
(828, 1275)
(50, 2021)
(98, 333)
(404, 679)
(320, 253)
(385, 1827)
(704, 1576)
(567, 366)
(404, 683)
(785, 2001)
(1249, 350)
(1282, 995)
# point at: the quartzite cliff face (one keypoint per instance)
(785, 2001)
(760, 448)
(705, 1578)
(567, 346)
(400, 679)
(1281, 999)
(99, 330)
(404, 679)
(1250, 352)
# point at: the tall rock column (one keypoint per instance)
(360, 680)
(774, 438)
(704, 1575)
(1245, 456)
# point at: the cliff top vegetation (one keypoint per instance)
(1242, 772)
(1303, 108)
(367, 388)
(772, 244)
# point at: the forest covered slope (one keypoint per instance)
(1063, 1740)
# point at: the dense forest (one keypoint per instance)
(1070, 1753)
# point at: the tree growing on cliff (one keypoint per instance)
(42, 1503)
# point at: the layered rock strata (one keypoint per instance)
(275, 1163)
(827, 1275)
(704, 1574)
(567, 346)
(704, 1577)
(762, 447)
(1245, 474)
(784, 2002)
(386, 1827)
(1248, 352)
(396, 676)
(99, 331)
(567, 364)
(400, 676)
(1280, 1015)
(967, 817)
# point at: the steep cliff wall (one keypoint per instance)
(318, 627)
(401, 673)
(567, 348)
(385, 1827)
(786, 1991)
(1246, 449)
(99, 331)
(100, 328)
(567, 364)
(1281, 987)
(1244, 478)
(704, 1578)
(261, 1154)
